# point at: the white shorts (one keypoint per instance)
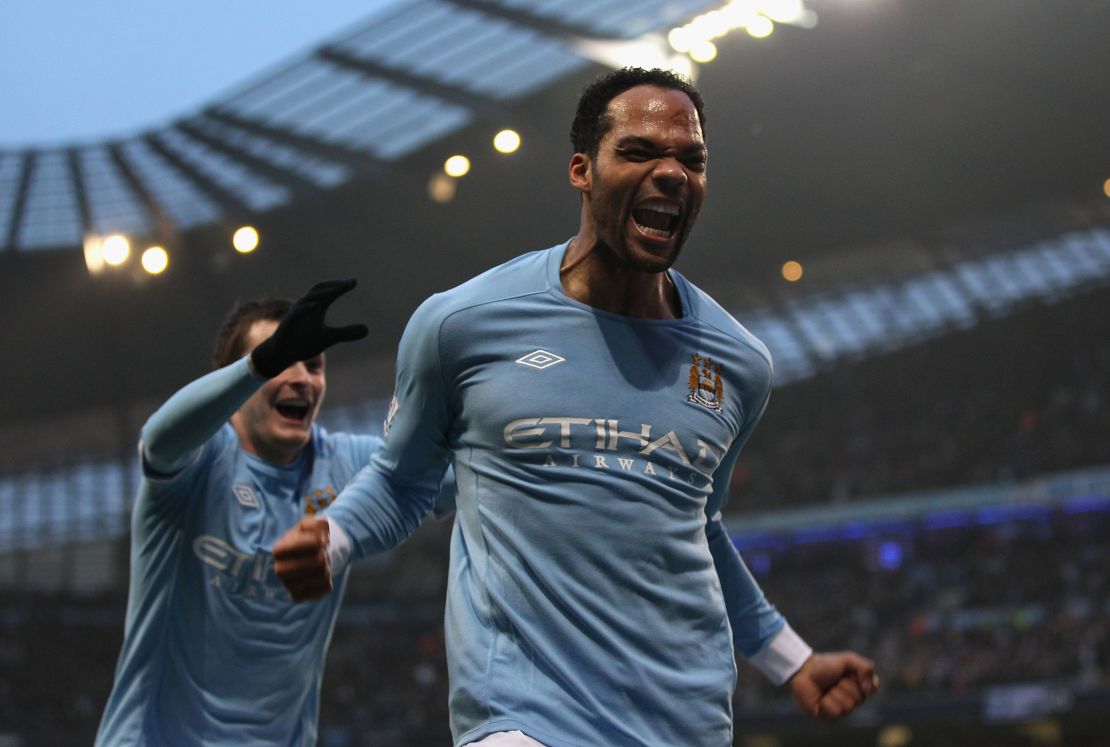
(506, 739)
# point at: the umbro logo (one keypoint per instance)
(540, 359)
(245, 495)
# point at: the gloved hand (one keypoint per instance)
(302, 334)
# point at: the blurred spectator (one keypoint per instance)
(1004, 400)
(955, 610)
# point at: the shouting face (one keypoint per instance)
(646, 185)
(276, 422)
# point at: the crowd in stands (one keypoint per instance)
(1009, 398)
(57, 657)
(947, 610)
(954, 609)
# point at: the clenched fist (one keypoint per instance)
(301, 559)
(830, 686)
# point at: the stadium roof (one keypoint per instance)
(350, 107)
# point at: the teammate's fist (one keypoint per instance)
(301, 559)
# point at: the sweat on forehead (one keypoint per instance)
(653, 103)
(593, 117)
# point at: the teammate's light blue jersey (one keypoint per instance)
(215, 652)
(592, 584)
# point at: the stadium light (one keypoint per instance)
(506, 141)
(681, 40)
(703, 51)
(761, 27)
(757, 17)
(441, 188)
(94, 254)
(155, 260)
(456, 166)
(785, 11)
(116, 249)
(648, 51)
(245, 240)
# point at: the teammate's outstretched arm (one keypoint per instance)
(830, 686)
(194, 413)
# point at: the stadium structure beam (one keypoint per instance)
(164, 225)
(29, 159)
(546, 26)
(229, 202)
(782, 308)
(361, 159)
(474, 102)
(297, 184)
(77, 179)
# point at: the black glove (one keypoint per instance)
(302, 334)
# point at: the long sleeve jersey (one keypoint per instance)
(215, 652)
(594, 597)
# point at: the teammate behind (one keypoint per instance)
(214, 650)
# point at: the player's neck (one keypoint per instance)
(593, 274)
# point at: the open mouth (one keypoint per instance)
(659, 219)
(293, 409)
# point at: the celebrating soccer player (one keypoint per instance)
(593, 402)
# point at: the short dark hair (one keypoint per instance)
(592, 120)
(231, 339)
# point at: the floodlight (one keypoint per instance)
(506, 141)
(245, 240)
(441, 188)
(116, 249)
(761, 27)
(703, 51)
(155, 260)
(456, 166)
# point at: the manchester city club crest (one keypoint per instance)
(706, 387)
(318, 500)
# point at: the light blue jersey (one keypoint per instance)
(215, 652)
(592, 585)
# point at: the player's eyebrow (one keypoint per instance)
(638, 141)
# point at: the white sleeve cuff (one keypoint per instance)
(339, 547)
(782, 656)
(250, 367)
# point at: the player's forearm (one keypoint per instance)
(194, 413)
(377, 511)
(759, 632)
(754, 620)
(386, 502)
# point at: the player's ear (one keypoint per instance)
(580, 172)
